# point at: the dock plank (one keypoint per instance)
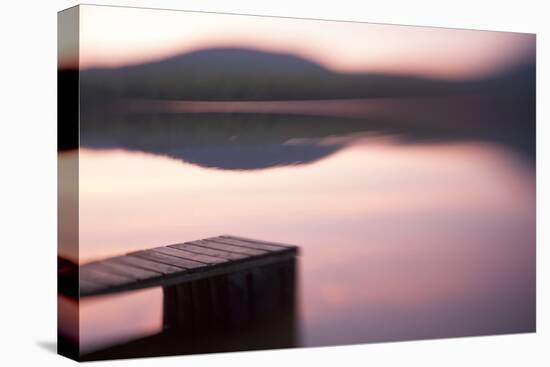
(280, 245)
(206, 259)
(209, 251)
(177, 263)
(124, 270)
(104, 278)
(88, 287)
(168, 259)
(229, 248)
(147, 265)
(247, 244)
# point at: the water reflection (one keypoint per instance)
(408, 229)
(398, 241)
(244, 141)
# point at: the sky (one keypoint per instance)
(116, 36)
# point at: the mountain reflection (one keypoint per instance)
(253, 141)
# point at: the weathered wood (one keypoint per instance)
(107, 279)
(242, 299)
(229, 248)
(246, 244)
(111, 266)
(147, 264)
(236, 305)
(87, 286)
(258, 241)
(178, 263)
(209, 251)
(206, 259)
(168, 259)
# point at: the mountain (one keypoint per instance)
(244, 74)
(236, 61)
(247, 74)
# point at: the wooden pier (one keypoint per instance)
(180, 263)
(220, 294)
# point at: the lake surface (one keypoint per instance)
(398, 240)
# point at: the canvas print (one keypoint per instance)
(236, 183)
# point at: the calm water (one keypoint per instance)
(399, 241)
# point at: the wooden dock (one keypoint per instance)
(180, 263)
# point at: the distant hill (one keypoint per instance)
(236, 61)
(245, 74)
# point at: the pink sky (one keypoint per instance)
(114, 36)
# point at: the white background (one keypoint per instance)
(28, 182)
